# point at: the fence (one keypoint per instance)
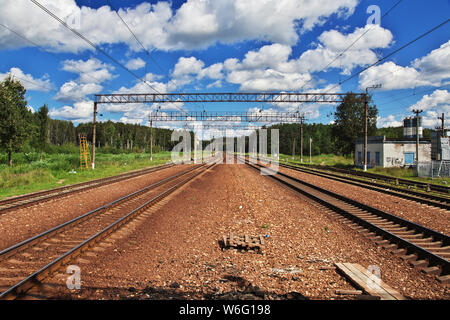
(433, 169)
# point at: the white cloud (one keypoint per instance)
(187, 66)
(196, 24)
(430, 70)
(214, 71)
(389, 121)
(90, 71)
(80, 112)
(135, 64)
(437, 99)
(392, 77)
(73, 91)
(433, 105)
(28, 81)
(333, 42)
(434, 66)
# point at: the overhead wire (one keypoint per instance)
(92, 44)
(392, 53)
(352, 44)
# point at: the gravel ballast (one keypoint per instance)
(174, 252)
(20, 224)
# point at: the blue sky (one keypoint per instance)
(228, 46)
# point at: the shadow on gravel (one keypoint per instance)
(244, 291)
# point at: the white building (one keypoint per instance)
(391, 152)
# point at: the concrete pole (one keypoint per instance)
(151, 140)
(442, 125)
(301, 140)
(366, 111)
(93, 134)
(417, 133)
(310, 158)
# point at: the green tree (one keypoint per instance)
(42, 134)
(15, 118)
(349, 122)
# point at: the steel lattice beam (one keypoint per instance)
(222, 97)
(190, 116)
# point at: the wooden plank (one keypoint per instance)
(353, 277)
(360, 280)
(370, 286)
(382, 284)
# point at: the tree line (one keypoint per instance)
(19, 127)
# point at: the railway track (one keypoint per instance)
(26, 264)
(420, 197)
(422, 247)
(428, 187)
(428, 199)
(30, 199)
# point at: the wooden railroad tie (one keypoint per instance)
(243, 242)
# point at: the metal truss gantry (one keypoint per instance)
(190, 116)
(222, 97)
(268, 97)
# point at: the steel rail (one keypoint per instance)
(60, 192)
(6, 253)
(423, 185)
(433, 259)
(37, 277)
(429, 199)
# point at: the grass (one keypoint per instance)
(323, 160)
(30, 175)
(407, 173)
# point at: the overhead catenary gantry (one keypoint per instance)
(273, 97)
(255, 97)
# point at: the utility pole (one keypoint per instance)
(293, 149)
(310, 141)
(366, 115)
(301, 139)
(151, 139)
(366, 112)
(442, 125)
(93, 134)
(417, 133)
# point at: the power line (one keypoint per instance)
(91, 44)
(392, 53)
(129, 29)
(46, 51)
(351, 45)
(140, 43)
(33, 82)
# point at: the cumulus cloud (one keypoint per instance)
(28, 81)
(79, 112)
(389, 121)
(187, 66)
(428, 70)
(135, 64)
(89, 71)
(196, 24)
(438, 99)
(73, 91)
(433, 67)
(333, 42)
(392, 76)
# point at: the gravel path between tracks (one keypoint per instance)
(428, 216)
(174, 253)
(18, 225)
